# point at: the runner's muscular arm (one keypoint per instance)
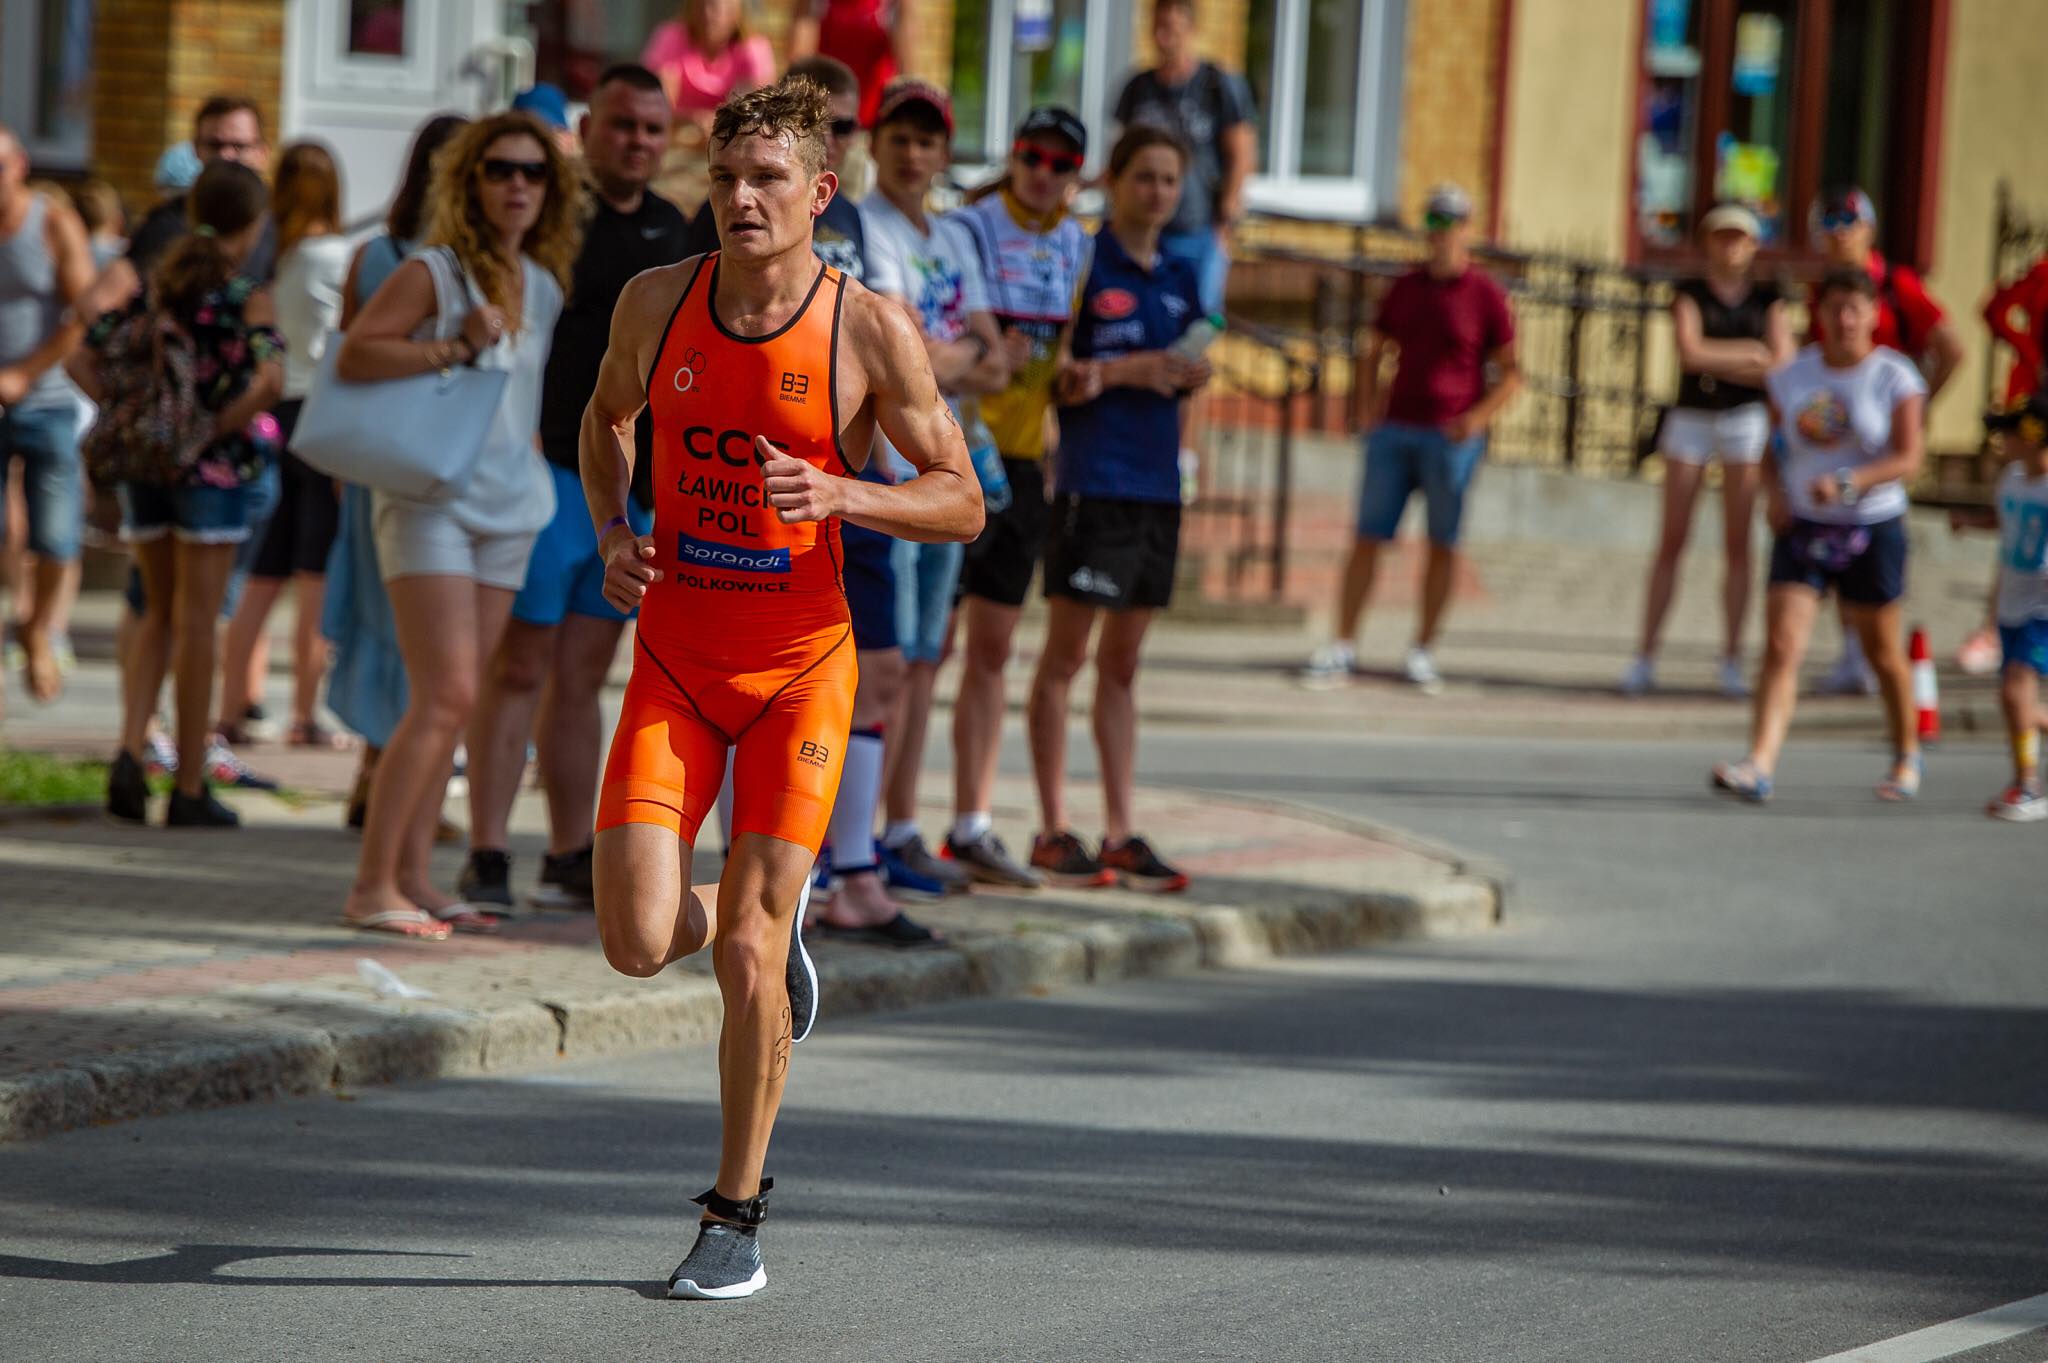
(605, 449)
(943, 502)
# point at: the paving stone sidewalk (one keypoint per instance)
(147, 971)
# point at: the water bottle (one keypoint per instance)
(1196, 340)
(987, 460)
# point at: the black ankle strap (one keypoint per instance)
(751, 1212)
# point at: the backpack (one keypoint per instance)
(151, 426)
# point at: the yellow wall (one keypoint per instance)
(1991, 129)
(1570, 120)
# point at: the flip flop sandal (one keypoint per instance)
(467, 918)
(1741, 781)
(315, 736)
(901, 931)
(413, 923)
(1892, 790)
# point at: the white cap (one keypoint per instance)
(1732, 218)
(1448, 201)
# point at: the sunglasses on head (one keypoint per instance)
(498, 170)
(1839, 222)
(844, 127)
(1034, 156)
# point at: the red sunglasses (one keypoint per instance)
(1034, 156)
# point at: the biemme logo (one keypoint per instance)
(707, 554)
(817, 754)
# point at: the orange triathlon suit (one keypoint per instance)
(745, 642)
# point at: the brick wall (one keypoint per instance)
(156, 63)
(1447, 118)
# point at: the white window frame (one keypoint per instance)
(1106, 63)
(1374, 183)
(20, 46)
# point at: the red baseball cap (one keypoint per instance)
(901, 94)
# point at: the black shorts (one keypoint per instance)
(1866, 565)
(870, 586)
(1116, 554)
(1000, 562)
(308, 515)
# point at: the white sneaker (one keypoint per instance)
(1641, 677)
(1734, 686)
(1421, 670)
(1851, 677)
(1331, 663)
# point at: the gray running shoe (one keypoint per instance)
(724, 1265)
(911, 868)
(801, 975)
(988, 861)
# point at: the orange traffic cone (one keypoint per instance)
(1926, 690)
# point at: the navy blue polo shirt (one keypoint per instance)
(1126, 443)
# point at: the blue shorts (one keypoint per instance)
(203, 515)
(870, 577)
(2026, 645)
(926, 575)
(1864, 564)
(1212, 263)
(565, 574)
(1399, 459)
(45, 440)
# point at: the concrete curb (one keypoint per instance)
(387, 1042)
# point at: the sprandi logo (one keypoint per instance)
(1824, 420)
(693, 369)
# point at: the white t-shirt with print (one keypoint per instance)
(1841, 419)
(2022, 547)
(937, 271)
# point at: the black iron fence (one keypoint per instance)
(1266, 384)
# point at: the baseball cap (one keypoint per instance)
(902, 94)
(2028, 418)
(178, 167)
(1060, 122)
(1448, 201)
(1731, 218)
(545, 102)
(1842, 206)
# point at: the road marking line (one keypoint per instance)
(1953, 1337)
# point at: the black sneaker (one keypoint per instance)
(988, 861)
(800, 974)
(1064, 859)
(486, 881)
(127, 789)
(725, 1263)
(1135, 866)
(565, 881)
(199, 811)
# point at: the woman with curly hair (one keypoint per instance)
(502, 234)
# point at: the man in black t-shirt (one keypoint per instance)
(559, 645)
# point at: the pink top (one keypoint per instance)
(702, 83)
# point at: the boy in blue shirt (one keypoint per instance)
(2020, 599)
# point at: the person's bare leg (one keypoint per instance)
(1361, 567)
(756, 898)
(438, 636)
(1068, 626)
(1739, 486)
(1439, 574)
(2019, 692)
(507, 699)
(202, 583)
(1789, 613)
(147, 654)
(1116, 717)
(309, 646)
(647, 916)
(491, 609)
(1878, 629)
(908, 731)
(979, 705)
(246, 651)
(1681, 491)
(568, 731)
(50, 581)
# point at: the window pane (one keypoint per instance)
(1329, 121)
(376, 28)
(1670, 121)
(63, 107)
(1750, 153)
(1050, 74)
(970, 79)
(1261, 48)
(1856, 138)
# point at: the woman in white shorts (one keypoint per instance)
(1731, 330)
(502, 234)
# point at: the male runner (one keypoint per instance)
(551, 665)
(765, 372)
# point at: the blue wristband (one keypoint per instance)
(613, 524)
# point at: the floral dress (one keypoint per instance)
(229, 352)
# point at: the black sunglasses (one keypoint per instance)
(1062, 162)
(498, 171)
(844, 127)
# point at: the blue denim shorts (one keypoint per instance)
(1864, 565)
(45, 440)
(2025, 645)
(565, 575)
(201, 515)
(926, 575)
(1399, 459)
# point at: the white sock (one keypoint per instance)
(969, 827)
(853, 811)
(899, 832)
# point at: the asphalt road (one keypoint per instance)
(1731, 1085)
